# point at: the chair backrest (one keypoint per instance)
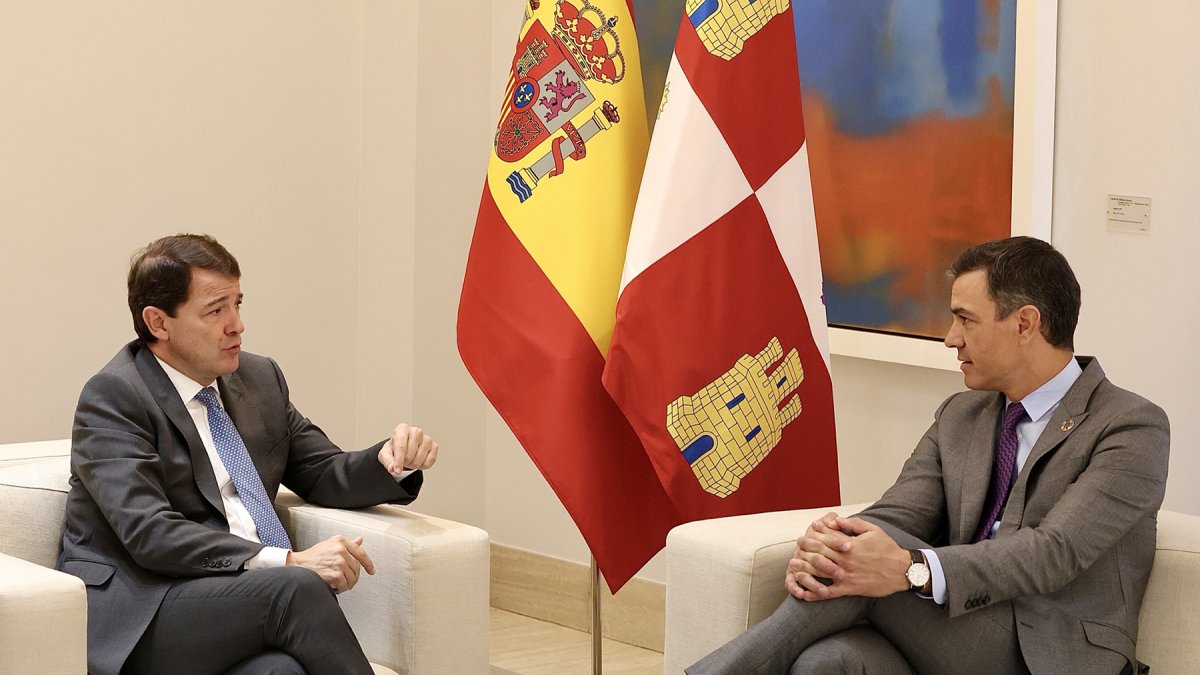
(33, 499)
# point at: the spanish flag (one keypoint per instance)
(719, 357)
(538, 302)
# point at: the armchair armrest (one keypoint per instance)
(725, 575)
(426, 608)
(44, 617)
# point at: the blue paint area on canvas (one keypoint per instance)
(960, 49)
(865, 304)
(881, 63)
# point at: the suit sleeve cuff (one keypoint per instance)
(938, 576)
(270, 556)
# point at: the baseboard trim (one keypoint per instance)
(556, 590)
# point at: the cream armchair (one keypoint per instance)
(424, 611)
(726, 574)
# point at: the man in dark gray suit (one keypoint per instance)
(1020, 534)
(179, 447)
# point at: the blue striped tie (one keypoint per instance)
(241, 470)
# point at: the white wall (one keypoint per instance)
(1129, 123)
(124, 121)
(425, 105)
(339, 149)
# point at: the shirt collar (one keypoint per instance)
(1043, 399)
(186, 386)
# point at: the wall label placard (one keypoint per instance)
(1128, 214)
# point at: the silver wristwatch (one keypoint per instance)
(918, 572)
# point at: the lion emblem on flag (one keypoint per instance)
(558, 73)
(729, 427)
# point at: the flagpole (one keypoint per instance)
(597, 627)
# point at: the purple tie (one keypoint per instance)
(1002, 470)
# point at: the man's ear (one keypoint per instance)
(1029, 323)
(156, 321)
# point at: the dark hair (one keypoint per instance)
(161, 274)
(1026, 271)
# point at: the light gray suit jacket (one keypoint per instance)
(144, 508)
(1076, 543)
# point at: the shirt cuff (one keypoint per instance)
(403, 474)
(270, 556)
(939, 577)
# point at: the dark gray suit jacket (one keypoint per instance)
(144, 509)
(1076, 543)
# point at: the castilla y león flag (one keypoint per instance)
(538, 301)
(719, 357)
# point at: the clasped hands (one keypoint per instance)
(846, 556)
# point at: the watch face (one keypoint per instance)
(918, 574)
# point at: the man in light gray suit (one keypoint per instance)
(179, 447)
(1020, 534)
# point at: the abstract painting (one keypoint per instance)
(908, 109)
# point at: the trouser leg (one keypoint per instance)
(855, 651)
(773, 645)
(210, 624)
(272, 662)
(983, 641)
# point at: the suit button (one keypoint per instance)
(225, 562)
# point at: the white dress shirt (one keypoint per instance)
(1039, 409)
(240, 522)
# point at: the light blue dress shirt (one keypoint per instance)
(1039, 409)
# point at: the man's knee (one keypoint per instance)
(855, 651)
(300, 586)
(829, 656)
(272, 662)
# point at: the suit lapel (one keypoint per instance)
(172, 406)
(1065, 419)
(978, 473)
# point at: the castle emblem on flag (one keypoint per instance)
(730, 426)
(555, 78)
(725, 25)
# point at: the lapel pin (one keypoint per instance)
(1067, 426)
